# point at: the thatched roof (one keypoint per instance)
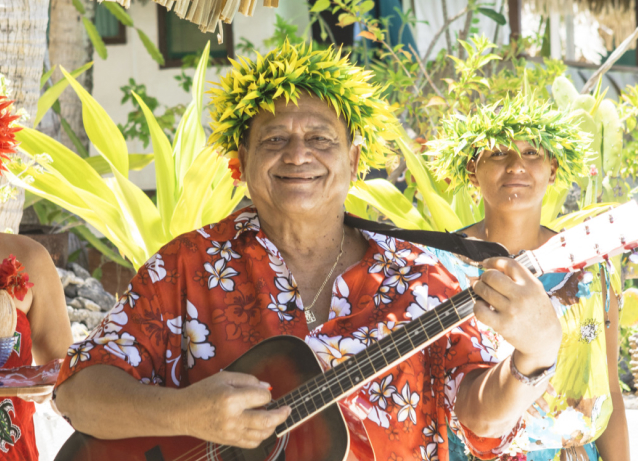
(208, 14)
(617, 18)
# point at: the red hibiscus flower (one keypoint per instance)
(13, 279)
(233, 166)
(8, 141)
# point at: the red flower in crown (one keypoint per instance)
(13, 279)
(233, 166)
(8, 141)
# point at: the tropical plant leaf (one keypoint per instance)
(577, 217)
(151, 48)
(320, 5)
(190, 137)
(96, 39)
(463, 205)
(553, 202)
(366, 6)
(197, 189)
(101, 130)
(46, 76)
(79, 7)
(221, 204)
(389, 200)
(99, 245)
(65, 162)
(164, 166)
(58, 190)
(443, 216)
(30, 199)
(52, 94)
(79, 147)
(119, 13)
(493, 15)
(357, 206)
(139, 215)
(136, 162)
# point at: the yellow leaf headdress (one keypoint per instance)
(251, 86)
(462, 137)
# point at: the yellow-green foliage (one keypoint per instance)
(194, 186)
(251, 86)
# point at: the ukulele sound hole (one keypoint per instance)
(154, 454)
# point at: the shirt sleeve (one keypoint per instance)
(141, 334)
(468, 350)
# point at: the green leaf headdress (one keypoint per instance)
(462, 137)
(251, 86)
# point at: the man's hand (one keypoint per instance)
(225, 409)
(517, 306)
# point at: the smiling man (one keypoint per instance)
(299, 127)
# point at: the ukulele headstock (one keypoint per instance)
(596, 239)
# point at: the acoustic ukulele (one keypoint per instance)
(321, 426)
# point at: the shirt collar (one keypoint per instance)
(390, 247)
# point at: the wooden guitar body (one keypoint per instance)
(285, 362)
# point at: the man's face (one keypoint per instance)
(298, 160)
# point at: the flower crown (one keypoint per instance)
(251, 86)
(13, 279)
(462, 137)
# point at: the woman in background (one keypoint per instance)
(512, 154)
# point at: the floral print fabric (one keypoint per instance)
(578, 399)
(210, 295)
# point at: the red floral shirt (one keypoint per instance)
(208, 296)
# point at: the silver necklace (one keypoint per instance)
(310, 317)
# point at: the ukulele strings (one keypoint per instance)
(467, 297)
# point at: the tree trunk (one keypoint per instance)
(70, 47)
(23, 26)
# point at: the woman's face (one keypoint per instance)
(512, 181)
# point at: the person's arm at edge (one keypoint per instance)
(48, 318)
(613, 444)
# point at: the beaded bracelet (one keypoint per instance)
(534, 380)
